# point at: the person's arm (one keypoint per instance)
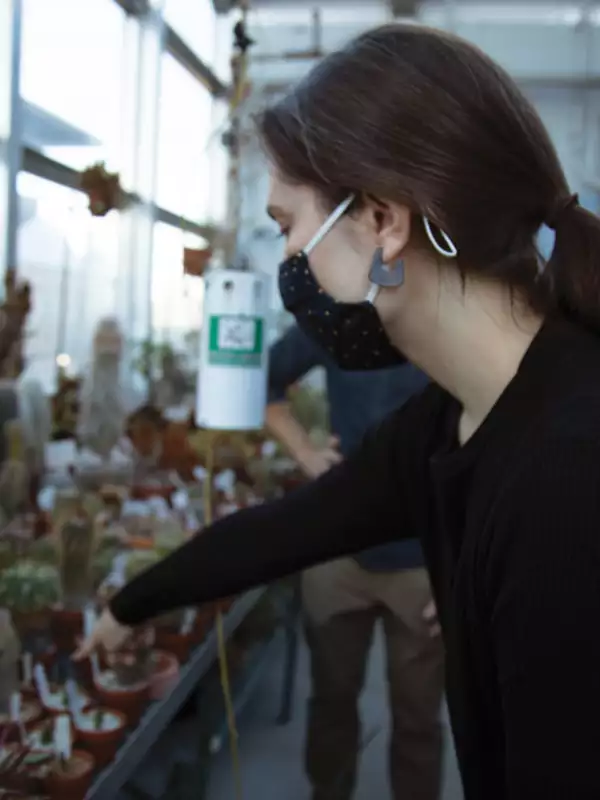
(544, 626)
(290, 359)
(361, 502)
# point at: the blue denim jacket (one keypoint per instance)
(357, 401)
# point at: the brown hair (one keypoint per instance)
(418, 116)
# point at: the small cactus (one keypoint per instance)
(76, 548)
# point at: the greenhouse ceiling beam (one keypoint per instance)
(175, 45)
(41, 166)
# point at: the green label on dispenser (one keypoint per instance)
(235, 341)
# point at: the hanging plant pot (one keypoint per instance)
(103, 189)
(101, 731)
(196, 260)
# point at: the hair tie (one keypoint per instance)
(561, 209)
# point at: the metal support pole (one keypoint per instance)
(10, 131)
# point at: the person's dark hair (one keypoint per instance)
(417, 116)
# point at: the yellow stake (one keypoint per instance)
(222, 652)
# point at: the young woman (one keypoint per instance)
(411, 178)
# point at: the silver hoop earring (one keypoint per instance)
(450, 251)
(386, 275)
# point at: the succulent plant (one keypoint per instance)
(141, 560)
(44, 550)
(28, 587)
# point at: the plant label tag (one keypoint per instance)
(89, 621)
(27, 665)
(117, 575)
(62, 736)
(74, 701)
(95, 665)
(41, 682)
(180, 500)
(15, 707)
(189, 618)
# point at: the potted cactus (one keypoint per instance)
(76, 539)
(101, 731)
(103, 412)
(29, 590)
(76, 545)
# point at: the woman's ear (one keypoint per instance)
(391, 225)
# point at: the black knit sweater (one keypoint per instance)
(510, 525)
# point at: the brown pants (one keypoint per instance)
(343, 603)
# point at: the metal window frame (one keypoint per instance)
(184, 54)
(36, 163)
(13, 147)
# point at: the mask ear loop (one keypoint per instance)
(329, 223)
(451, 251)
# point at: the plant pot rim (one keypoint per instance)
(86, 733)
(141, 687)
(80, 755)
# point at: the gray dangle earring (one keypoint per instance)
(386, 275)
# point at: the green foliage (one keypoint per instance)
(28, 587)
(139, 561)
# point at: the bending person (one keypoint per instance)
(410, 178)
(343, 599)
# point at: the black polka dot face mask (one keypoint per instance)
(352, 333)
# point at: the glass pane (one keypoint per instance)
(195, 22)
(176, 298)
(185, 138)
(71, 79)
(71, 259)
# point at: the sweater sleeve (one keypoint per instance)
(544, 624)
(357, 504)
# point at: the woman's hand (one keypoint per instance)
(108, 633)
(431, 619)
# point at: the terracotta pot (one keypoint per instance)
(205, 619)
(59, 709)
(29, 623)
(67, 627)
(164, 675)
(73, 783)
(172, 641)
(129, 700)
(27, 780)
(45, 725)
(143, 492)
(31, 714)
(103, 744)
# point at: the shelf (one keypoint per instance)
(161, 713)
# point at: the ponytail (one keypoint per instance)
(574, 266)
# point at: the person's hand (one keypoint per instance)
(430, 617)
(316, 461)
(108, 633)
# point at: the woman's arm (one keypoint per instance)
(545, 582)
(355, 505)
